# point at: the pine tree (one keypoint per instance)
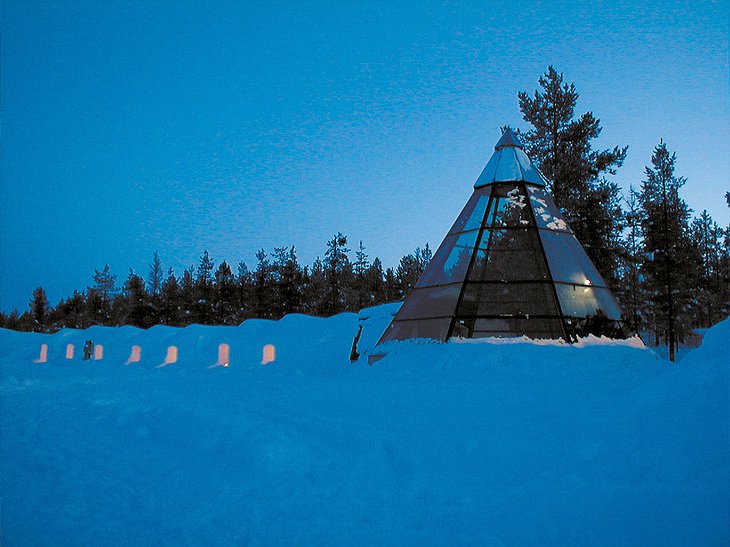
(278, 262)
(154, 277)
(170, 300)
(700, 230)
(376, 283)
(225, 295)
(561, 147)
(360, 268)
(392, 292)
(290, 283)
(723, 280)
(187, 297)
(25, 322)
(99, 297)
(105, 282)
(71, 312)
(244, 284)
(338, 270)
(671, 256)
(39, 309)
(12, 322)
(315, 291)
(263, 290)
(707, 239)
(137, 308)
(630, 292)
(410, 268)
(203, 309)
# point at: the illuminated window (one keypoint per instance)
(43, 357)
(224, 351)
(135, 355)
(170, 356)
(269, 354)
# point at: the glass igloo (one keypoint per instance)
(510, 266)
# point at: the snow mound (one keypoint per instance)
(459, 443)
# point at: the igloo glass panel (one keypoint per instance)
(508, 167)
(507, 299)
(568, 261)
(472, 215)
(547, 214)
(430, 302)
(536, 328)
(509, 255)
(582, 301)
(435, 329)
(509, 206)
(451, 260)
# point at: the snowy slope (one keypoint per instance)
(496, 444)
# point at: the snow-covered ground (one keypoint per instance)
(436, 444)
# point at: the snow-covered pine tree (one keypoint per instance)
(561, 147)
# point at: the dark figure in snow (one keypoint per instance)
(354, 355)
(88, 349)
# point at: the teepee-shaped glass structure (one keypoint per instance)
(509, 266)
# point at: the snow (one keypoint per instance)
(460, 443)
(515, 199)
(590, 340)
(557, 224)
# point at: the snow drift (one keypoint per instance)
(473, 443)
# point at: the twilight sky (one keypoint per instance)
(181, 126)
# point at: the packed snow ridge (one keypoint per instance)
(460, 443)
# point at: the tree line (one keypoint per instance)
(669, 270)
(207, 294)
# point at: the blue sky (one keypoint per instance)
(129, 127)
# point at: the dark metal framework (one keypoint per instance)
(463, 323)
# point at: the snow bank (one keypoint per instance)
(435, 444)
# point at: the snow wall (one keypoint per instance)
(473, 443)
